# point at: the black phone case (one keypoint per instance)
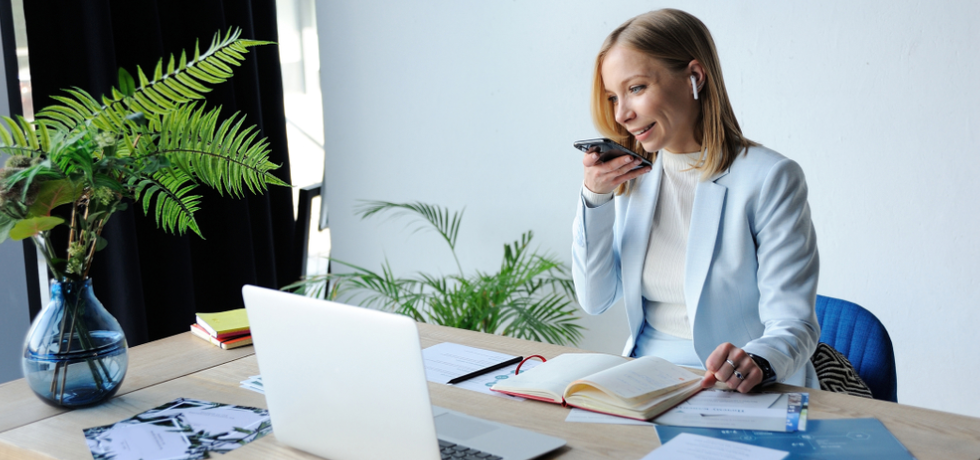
(609, 149)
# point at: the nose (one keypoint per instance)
(624, 113)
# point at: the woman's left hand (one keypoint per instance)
(722, 365)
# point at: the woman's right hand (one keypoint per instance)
(604, 177)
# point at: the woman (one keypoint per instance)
(712, 250)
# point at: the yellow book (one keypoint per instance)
(224, 324)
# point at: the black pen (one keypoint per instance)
(485, 370)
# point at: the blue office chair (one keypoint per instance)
(857, 334)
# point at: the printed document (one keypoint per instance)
(482, 383)
(688, 446)
(731, 409)
(446, 361)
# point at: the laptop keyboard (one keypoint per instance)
(460, 452)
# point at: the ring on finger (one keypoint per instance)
(739, 375)
(730, 363)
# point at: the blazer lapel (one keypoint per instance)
(709, 203)
(636, 235)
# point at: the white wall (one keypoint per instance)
(475, 104)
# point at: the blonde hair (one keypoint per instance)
(675, 38)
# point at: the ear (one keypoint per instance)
(694, 68)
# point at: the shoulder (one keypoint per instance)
(760, 164)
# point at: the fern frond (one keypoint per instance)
(19, 137)
(181, 83)
(168, 193)
(228, 160)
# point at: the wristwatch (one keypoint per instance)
(768, 375)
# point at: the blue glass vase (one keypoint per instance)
(75, 353)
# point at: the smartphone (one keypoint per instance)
(609, 149)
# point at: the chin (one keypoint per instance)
(651, 146)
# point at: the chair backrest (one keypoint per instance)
(857, 334)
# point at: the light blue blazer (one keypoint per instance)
(751, 264)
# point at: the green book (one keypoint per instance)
(224, 324)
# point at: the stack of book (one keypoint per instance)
(227, 329)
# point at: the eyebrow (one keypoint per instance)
(628, 79)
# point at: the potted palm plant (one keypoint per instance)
(530, 297)
(150, 142)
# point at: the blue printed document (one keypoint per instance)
(856, 438)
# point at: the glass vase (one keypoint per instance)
(75, 353)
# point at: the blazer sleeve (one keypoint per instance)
(788, 270)
(595, 260)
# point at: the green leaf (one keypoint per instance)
(158, 72)
(144, 82)
(18, 134)
(6, 223)
(5, 136)
(78, 112)
(100, 243)
(127, 86)
(44, 170)
(86, 99)
(228, 160)
(29, 132)
(191, 83)
(52, 194)
(29, 227)
(42, 130)
(446, 224)
(174, 207)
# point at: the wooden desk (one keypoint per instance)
(185, 366)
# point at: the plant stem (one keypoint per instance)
(71, 226)
(71, 332)
(87, 264)
(43, 242)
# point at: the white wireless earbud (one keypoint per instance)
(694, 86)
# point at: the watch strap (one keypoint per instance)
(768, 375)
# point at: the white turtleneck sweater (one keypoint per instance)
(664, 264)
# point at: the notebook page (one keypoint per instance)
(641, 376)
(555, 374)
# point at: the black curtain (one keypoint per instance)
(151, 281)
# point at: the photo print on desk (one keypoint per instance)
(183, 429)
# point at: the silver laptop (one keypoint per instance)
(348, 383)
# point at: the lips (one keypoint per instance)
(643, 131)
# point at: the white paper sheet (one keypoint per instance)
(733, 410)
(253, 383)
(446, 361)
(687, 446)
(725, 401)
(482, 383)
(577, 415)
